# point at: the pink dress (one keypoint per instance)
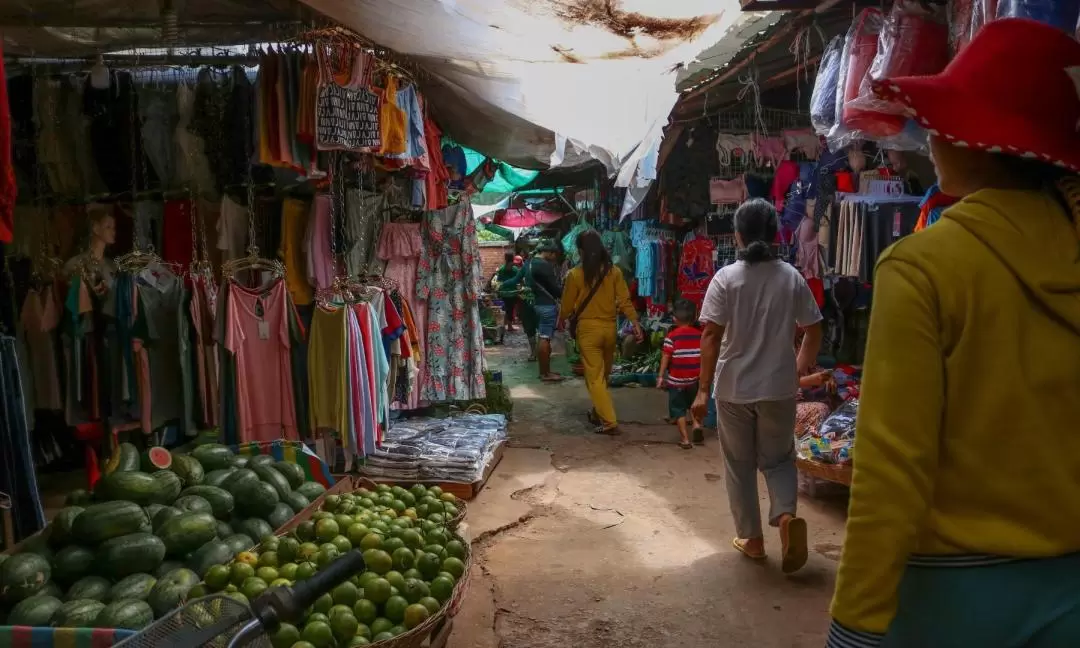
(400, 246)
(257, 332)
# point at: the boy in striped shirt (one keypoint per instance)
(680, 368)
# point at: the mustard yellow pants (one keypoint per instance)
(596, 344)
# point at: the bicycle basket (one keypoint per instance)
(208, 621)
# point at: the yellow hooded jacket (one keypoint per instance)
(968, 433)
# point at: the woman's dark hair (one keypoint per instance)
(756, 224)
(594, 256)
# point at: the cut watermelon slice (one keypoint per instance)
(155, 459)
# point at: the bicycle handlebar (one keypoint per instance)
(287, 603)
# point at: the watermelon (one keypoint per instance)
(171, 590)
(268, 475)
(164, 515)
(22, 576)
(192, 504)
(216, 477)
(280, 516)
(137, 487)
(188, 469)
(221, 501)
(72, 563)
(242, 476)
(260, 460)
(131, 554)
(127, 614)
(256, 499)
(34, 611)
(215, 552)
(37, 544)
(91, 587)
(52, 589)
(167, 567)
(254, 528)
(60, 529)
(292, 472)
(224, 529)
(239, 462)
(187, 532)
(297, 502)
(134, 587)
(155, 459)
(213, 456)
(77, 613)
(239, 542)
(124, 459)
(169, 487)
(311, 490)
(79, 497)
(101, 522)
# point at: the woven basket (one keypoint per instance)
(416, 637)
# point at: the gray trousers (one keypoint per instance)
(758, 436)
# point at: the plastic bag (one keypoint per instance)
(1062, 14)
(912, 41)
(966, 18)
(860, 47)
(823, 99)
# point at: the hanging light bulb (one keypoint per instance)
(99, 74)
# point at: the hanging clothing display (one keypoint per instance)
(696, 268)
(257, 334)
(294, 223)
(364, 212)
(8, 188)
(865, 227)
(449, 280)
(17, 475)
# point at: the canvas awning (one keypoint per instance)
(533, 83)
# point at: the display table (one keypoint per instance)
(815, 470)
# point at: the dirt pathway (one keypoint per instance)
(589, 541)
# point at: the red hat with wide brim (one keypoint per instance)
(1015, 89)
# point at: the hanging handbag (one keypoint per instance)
(572, 321)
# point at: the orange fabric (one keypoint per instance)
(392, 120)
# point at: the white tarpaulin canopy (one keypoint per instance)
(515, 78)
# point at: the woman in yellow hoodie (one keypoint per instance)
(964, 521)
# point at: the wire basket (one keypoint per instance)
(417, 637)
(210, 621)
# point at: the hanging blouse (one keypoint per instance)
(257, 333)
(328, 370)
(392, 120)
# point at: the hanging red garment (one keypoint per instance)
(696, 269)
(437, 179)
(8, 188)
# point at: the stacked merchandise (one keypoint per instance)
(456, 449)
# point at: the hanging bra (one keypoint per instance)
(803, 140)
(727, 144)
(725, 192)
(768, 149)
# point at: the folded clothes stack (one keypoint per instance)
(456, 449)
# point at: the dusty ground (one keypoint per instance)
(589, 541)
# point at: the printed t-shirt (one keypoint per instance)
(760, 306)
(257, 333)
(683, 346)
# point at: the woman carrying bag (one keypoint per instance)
(594, 294)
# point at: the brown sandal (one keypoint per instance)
(740, 546)
(609, 430)
(793, 539)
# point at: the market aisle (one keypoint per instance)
(590, 541)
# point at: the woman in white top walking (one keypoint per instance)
(751, 311)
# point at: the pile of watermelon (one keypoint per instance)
(154, 526)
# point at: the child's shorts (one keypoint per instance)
(679, 401)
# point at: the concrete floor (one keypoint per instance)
(588, 541)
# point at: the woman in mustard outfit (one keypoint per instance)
(596, 322)
(964, 521)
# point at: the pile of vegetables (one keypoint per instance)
(154, 526)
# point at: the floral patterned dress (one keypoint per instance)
(449, 278)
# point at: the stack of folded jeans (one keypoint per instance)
(456, 449)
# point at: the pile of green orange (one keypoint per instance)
(413, 563)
